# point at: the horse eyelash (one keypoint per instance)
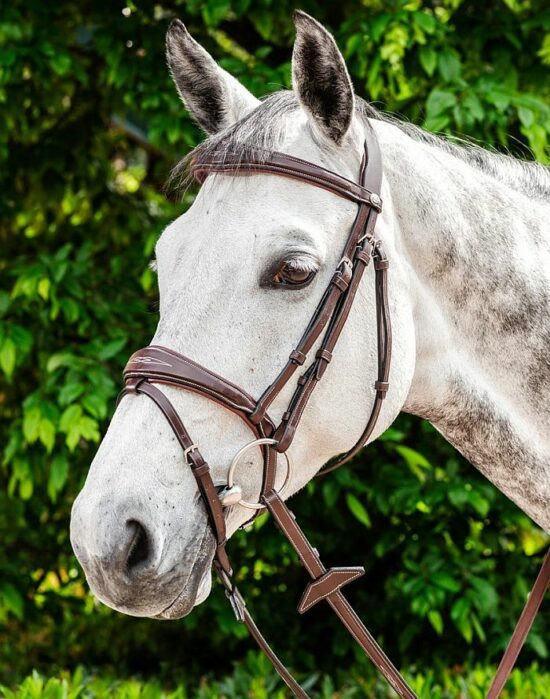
(300, 262)
(304, 265)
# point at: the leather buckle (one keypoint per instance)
(188, 451)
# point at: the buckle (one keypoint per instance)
(188, 451)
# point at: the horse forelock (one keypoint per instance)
(264, 130)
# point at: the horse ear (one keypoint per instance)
(320, 78)
(214, 98)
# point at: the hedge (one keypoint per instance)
(91, 126)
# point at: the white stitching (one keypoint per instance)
(160, 378)
(356, 192)
(194, 365)
(296, 529)
(304, 606)
(385, 664)
(355, 575)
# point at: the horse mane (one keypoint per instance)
(262, 131)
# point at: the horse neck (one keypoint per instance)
(478, 256)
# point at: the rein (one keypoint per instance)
(154, 365)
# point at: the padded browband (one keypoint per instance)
(287, 166)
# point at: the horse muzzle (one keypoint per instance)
(135, 567)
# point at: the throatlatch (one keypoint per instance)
(156, 365)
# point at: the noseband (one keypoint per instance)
(155, 365)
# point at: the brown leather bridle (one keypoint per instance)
(155, 365)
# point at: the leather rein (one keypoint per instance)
(154, 365)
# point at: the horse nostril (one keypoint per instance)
(139, 549)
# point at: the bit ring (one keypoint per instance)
(238, 456)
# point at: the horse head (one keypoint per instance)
(239, 275)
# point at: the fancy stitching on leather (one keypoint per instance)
(201, 369)
(299, 161)
(157, 378)
(351, 577)
(337, 188)
(297, 547)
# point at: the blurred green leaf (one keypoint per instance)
(446, 581)
(428, 59)
(59, 471)
(449, 65)
(12, 598)
(358, 510)
(7, 356)
(436, 621)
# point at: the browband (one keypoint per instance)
(288, 166)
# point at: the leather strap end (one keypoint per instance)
(320, 368)
(223, 565)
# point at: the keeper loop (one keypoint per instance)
(339, 281)
(363, 256)
(324, 354)
(297, 357)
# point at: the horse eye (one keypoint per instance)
(293, 275)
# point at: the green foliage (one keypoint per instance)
(90, 128)
(254, 678)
